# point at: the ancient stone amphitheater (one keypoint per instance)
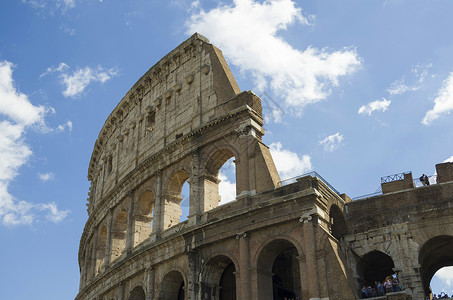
(303, 240)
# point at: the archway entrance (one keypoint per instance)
(219, 279)
(278, 272)
(375, 266)
(137, 294)
(435, 254)
(172, 287)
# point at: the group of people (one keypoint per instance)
(441, 296)
(389, 285)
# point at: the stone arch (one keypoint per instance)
(172, 286)
(338, 226)
(173, 198)
(278, 271)
(219, 278)
(435, 254)
(138, 293)
(143, 216)
(374, 266)
(118, 234)
(101, 248)
(211, 181)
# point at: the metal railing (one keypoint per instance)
(400, 176)
(312, 174)
(394, 177)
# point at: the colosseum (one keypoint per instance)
(302, 239)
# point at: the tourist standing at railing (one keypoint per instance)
(424, 179)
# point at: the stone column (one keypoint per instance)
(150, 275)
(93, 255)
(244, 265)
(108, 242)
(130, 225)
(121, 291)
(192, 279)
(310, 254)
(158, 217)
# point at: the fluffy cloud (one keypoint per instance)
(443, 103)
(378, 105)
(76, 82)
(247, 33)
(445, 275)
(51, 5)
(227, 189)
(332, 142)
(62, 127)
(18, 115)
(289, 164)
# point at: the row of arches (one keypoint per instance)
(279, 277)
(132, 222)
(435, 254)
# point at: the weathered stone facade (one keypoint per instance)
(182, 121)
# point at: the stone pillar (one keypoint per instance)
(310, 254)
(191, 290)
(108, 242)
(121, 291)
(158, 217)
(130, 225)
(93, 255)
(244, 265)
(303, 276)
(150, 275)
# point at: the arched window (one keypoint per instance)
(173, 198)
(119, 234)
(219, 180)
(278, 271)
(435, 254)
(143, 217)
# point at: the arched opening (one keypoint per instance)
(119, 234)
(435, 254)
(185, 202)
(173, 198)
(143, 217)
(219, 180)
(441, 283)
(100, 251)
(219, 279)
(137, 294)
(374, 266)
(172, 287)
(278, 272)
(337, 222)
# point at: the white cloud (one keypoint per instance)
(450, 159)
(51, 5)
(378, 105)
(227, 189)
(332, 142)
(62, 127)
(247, 33)
(417, 77)
(46, 176)
(76, 82)
(289, 164)
(19, 115)
(54, 215)
(443, 103)
(445, 275)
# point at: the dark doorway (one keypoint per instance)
(227, 284)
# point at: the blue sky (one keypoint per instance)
(355, 90)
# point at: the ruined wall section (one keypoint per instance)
(176, 96)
